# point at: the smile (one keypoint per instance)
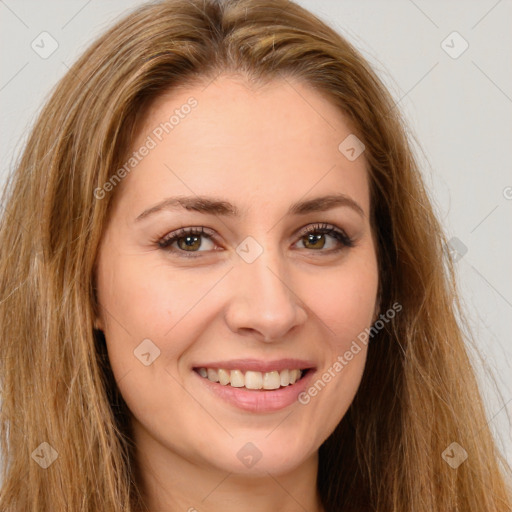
(252, 379)
(270, 392)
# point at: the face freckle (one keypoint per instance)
(255, 287)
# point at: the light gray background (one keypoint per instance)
(459, 109)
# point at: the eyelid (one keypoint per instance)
(329, 229)
(332, 230)
(188, 230)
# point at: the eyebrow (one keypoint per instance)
(217, 206)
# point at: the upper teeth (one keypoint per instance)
(251, 380)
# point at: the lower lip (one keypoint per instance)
(256, 400)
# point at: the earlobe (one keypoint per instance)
(375, 314)
(97, 325)
(377, 308)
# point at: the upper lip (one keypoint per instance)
(258, 365)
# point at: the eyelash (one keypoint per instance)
(325, 229)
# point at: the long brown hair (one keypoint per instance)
(418, 394)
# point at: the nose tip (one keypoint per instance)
(264, 302)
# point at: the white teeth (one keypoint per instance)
(252, 380)
(294, 376)
(271, 380)
(223, 377)
(237, 378)
(212, 375)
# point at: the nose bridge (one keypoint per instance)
(267, 278)
(263, 298)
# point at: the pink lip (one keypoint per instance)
(257, 365)
(258, 400)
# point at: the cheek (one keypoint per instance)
(147, 299)
(346, 302)
(345, 306)
(148, 310)
(152, 301)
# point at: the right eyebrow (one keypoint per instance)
(218, 206)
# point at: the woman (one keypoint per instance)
(308, 354)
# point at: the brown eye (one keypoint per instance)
(314, 238)
(316, 241)
(188, 240)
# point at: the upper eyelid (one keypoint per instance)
(211, 234)
(201, 230)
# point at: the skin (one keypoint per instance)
(261, 149)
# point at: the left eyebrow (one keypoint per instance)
(217, 206)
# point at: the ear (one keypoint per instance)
(98, 325)
(377, 307)
(375, 313)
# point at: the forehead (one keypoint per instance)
(228, 137)
(232, 108)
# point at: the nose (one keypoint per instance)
(263, 299)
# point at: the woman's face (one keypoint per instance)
(254, 292)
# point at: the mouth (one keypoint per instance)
(256, 386)
(254, 380)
